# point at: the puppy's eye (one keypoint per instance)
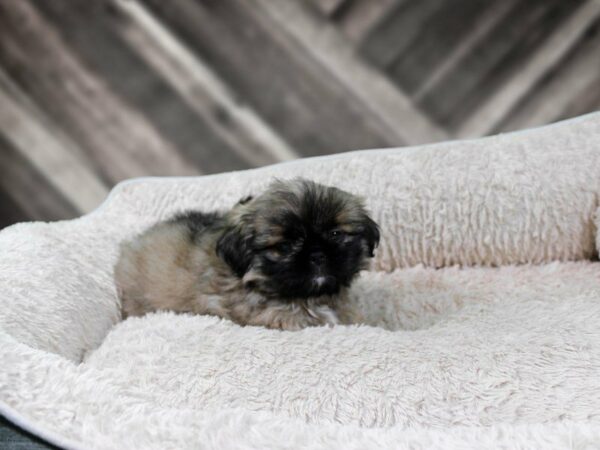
(284, 247)
(335, 233)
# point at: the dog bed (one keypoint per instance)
(482, 312)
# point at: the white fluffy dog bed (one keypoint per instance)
(483, 311)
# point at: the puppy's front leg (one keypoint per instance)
(293, 317)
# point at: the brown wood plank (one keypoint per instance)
(200, 88)
(358, 17)
(61, 162)
(120, 141)
(10, 212)
(487, 117)
(572, 88)
(438, 36)
(28, 189)
(379, 98)
(486, 22)
(93, 32)
(493, 61)
(329, 7)
(397, 30)
(94, 92)
(282, 82)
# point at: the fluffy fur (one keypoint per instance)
(284, 259)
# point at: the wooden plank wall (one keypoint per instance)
(92, 93)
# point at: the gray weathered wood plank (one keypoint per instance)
(28, 189)
(494, 13)
(93, 33)
(10, 211)
(114, 38)
(438, 36)
(281, 81)
(329, 7)
(120, 141)
(95, 92)
(360, 16)
(487, 117)
(380, 99)
(197, 84)
(571, 89)
(397, 30)
(494, 60)
(47, 150)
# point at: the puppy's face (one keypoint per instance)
(298, 240)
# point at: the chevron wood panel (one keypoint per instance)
(92, 93)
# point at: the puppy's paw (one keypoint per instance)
(306, 317)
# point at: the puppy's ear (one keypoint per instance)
(235, 248)
(371, 234)
(244, 200)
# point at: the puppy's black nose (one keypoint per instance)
(317, 257)
(325, 285)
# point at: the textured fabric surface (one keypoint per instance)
(459, 356)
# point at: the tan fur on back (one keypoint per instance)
(244, 264)
(164, 270)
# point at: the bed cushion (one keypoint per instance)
(481, 306)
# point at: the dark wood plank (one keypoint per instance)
(493, 14)
(438, 35)
(397, 30)
(494, 60)
(546, 57)
(200, 87)
(45, 147)
(378, 97)
(29, 190)
(89, 94)
(358, 17)
(284, 84)
(92, 31)
(120, 141)
(10, 212)
(572, 88)
(587, 99)
(329, 7)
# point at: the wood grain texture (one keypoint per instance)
(494, 59)
(199, 87)
(542, 60)
(27, 190)
(359, 17)
(397, 29)
(10, 211)
(118, 138)
(48, 151)
(399, 119)
(570, 89)
(92, 93)
(122, 35)
(330, 7)
(484, 24)
(274, 74)
(439, 34)
(173, 132)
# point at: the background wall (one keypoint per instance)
(94, 92)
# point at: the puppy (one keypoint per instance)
(284, 259)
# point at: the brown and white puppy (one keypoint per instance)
(284, 259)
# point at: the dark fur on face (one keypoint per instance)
(283, 259)
(299, 240)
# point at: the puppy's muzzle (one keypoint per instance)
(317, 258)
